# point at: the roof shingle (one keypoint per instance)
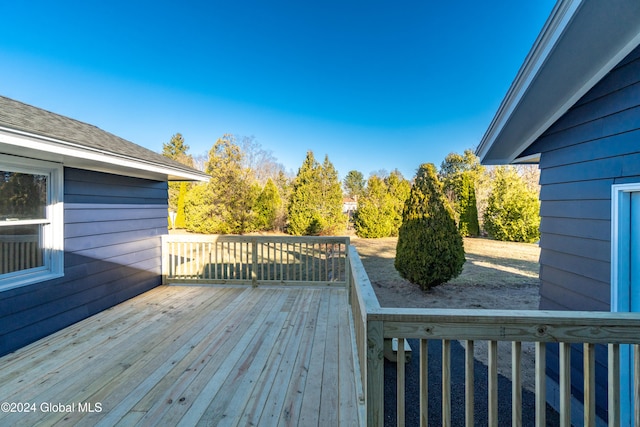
(22, 117)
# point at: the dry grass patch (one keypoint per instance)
(496, 275)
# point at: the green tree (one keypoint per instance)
(177, 149)
(354, 184)
(183, 188)
(460, 176)
(202, 210)
(332, 198)
(429, 251)
(399, 189)
(374, 217)
(284, 183)
(305, 197)
(513, 209)
(315, 206)
(267, 207)
(225, 205)
(468, 222)
(379, 212)
(455, 164)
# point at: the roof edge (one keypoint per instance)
(553, 28)
(76, 155)
(567, 60)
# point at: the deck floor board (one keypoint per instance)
(195, 355)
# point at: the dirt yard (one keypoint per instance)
(496, 275)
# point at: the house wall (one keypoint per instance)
(594, 145)
(112, 229)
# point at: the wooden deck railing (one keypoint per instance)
(374, 324)
(255, 260)
(261, 260)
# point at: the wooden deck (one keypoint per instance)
(188, 355)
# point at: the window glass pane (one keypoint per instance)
(20, 248)
(23, 196)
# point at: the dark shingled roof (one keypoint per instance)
(26, 118)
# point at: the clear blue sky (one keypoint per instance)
(373, 84)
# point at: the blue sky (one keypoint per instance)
(373, 84)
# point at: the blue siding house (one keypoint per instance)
(574, 109)
(81, 214)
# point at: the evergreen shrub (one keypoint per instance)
(430, 250)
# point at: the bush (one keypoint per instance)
(267, 206)
(513, 210)
(374, 217)
(430, 249)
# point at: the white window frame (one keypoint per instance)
(52, 230)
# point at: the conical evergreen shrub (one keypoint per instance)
(430, 249)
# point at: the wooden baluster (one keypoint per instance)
(589, 371)
(516, 384)
(541, 387)
(400, 383)
(424, 383)
(493, 383)
(446, 383)
(565, 384)
(614, 385)
(469, 372)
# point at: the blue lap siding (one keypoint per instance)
(112, 230)
(594, 145)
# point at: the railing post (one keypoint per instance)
(254, 262)
(164, 248)
(347, 268)
(375, 374)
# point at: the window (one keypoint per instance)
(31, 224)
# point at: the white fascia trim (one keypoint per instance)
(554, 28)
(60, 149)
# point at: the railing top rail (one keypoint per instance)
(256, 238)
(366, 295)
(597, 318)
(510, 325)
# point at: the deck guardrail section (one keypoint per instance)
(331, 261)
(375, 324)
(255, 259)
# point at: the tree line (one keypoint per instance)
(501, 202)
(250, 191)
